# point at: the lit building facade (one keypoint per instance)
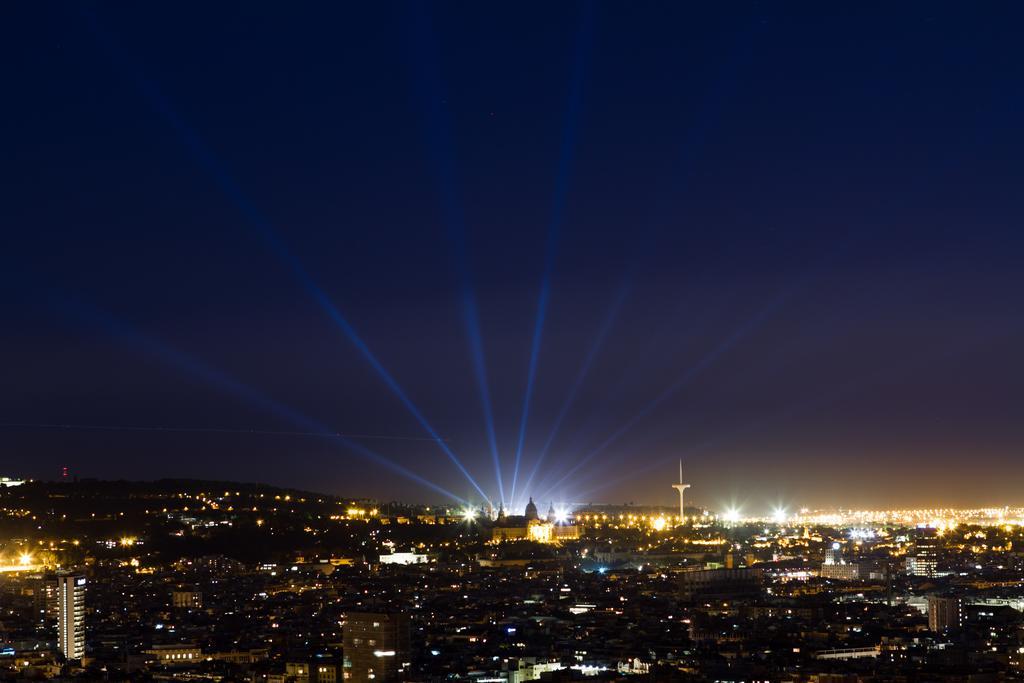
(306, 672)
(835, 565)
(834, 554)
(44, 597)
(945, 612)
(187, 599)
(924, 559)
(404, 558)
(842, 571)
(376, 646)
(535, 530)
(530, 527)
(71, 615)
(176, 654)
(695, 583)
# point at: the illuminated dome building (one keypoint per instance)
(531, 511)
(530, 527)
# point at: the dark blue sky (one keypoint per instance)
(783, 243)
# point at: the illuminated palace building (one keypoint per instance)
(530, 527)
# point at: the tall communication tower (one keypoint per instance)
(681, 487)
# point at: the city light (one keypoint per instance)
(469, 515)
(561, 515)
(779, 516)
(732, 515)
(25, 559)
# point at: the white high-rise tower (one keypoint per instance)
(681, 487)
(71, 617)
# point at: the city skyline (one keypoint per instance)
(444, 342)
(115, 580)
(477, 254)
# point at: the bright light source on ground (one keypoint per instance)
(659, 523)
(24, 559)
(731, 515)
(469, 514)
(779, 515)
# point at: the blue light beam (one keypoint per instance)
(912, 294)
(169, 355)
(692, 143)
(569, 137)
(692, 373)
(886, 375)
(230, 187)
(588, 361)
(824, 331)
(440, 143)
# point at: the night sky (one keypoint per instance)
(781, 243)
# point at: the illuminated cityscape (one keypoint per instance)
(466, 342)
(191, 580)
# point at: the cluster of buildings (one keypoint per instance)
(306, 590)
